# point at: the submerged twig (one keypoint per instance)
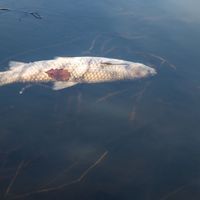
(109, 50)
(139, 95)
(14, 178)
(5, 9)
(79, 101)
(36, 15)
(59, 175)
(174, 192)
(161, 59)
(132, 114)
(104, 44)
(89, 50)
(111, 94)
(79, 179)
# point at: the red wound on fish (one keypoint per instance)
(59, 74)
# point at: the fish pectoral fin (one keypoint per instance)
(59, 85)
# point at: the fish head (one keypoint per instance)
(139, 70)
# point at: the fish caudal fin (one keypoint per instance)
(6, 78)
(11, 75)
(3, 78)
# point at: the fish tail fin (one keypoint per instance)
(5, 78)
(11, 75)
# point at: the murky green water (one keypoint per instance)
(126, 140)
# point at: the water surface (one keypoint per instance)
(147, 131)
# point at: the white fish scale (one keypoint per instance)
(104, 74)
(81, 69)
(90, 70)
(35, 73)
(36, 78)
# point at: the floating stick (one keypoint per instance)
(81, 177)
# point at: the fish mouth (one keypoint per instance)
(144, 71)
(152, 71)
(148, 71)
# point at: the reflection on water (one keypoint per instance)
(124, 140)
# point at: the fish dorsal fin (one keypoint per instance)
(59, 85)
(15, 64)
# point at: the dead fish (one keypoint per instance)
(65, 72)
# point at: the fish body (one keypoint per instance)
(67, 71)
